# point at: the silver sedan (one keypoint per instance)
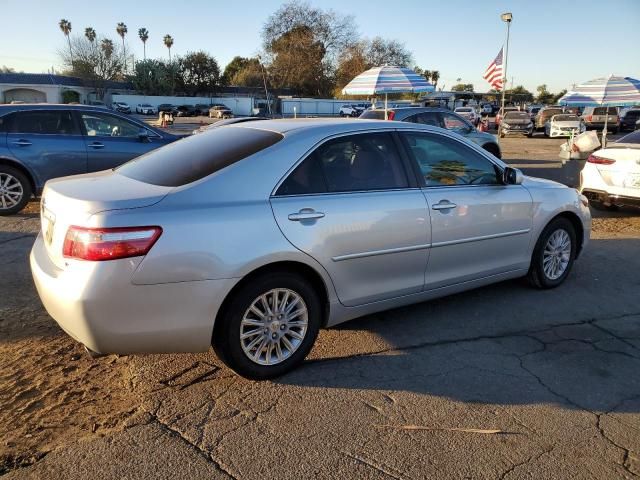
(252, 237)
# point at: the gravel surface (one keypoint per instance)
(499, 382)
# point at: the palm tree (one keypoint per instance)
(168, 42)
(435, 76)
(65, 26)
(90, 33)
(143, 33)
(107, 47)
(122, 30)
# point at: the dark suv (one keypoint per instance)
(439, 117)
(39, 142)
(629, 120)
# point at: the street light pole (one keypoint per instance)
(506, 17)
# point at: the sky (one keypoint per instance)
(556, 42)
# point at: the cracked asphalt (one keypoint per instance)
(501, 382)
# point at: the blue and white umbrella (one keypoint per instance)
(387, 79)
(612, 91)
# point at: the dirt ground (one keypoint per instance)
(54, 397)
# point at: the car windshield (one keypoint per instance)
(464, 109)
(146, 105)
(630, 138)
(516, 115)
(566, 118)
(198, 156)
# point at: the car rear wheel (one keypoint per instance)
(553, 255)
(15, 190)
(269, 326)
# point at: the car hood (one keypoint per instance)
(572, 124)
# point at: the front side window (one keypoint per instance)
(455, 123)
(445, 162)
(103, 125)
(427, 118)
(51, 122)
(361, 162)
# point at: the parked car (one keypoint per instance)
(469, 113)
(501, 113)
(202, 109)
(611, 175)
(543, 116)
(533, 110)
(339, 219)
(352, 110)
(564, 125)
(487, 109)
(629, 119)
(39, 142)
(517, 122)
(146, 109)
(166, 107)
(220, 111)
(184, 111)
(594, 118)
(121, 107)
(439, 117)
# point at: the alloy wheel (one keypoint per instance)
(11, 191)
(556, 255)
(274, 326)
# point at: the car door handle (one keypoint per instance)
(443, 205)
(96, 145)
(305, 214)
(22, 143)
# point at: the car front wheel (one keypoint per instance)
(269, 326)
(15, 190)
(553, 255)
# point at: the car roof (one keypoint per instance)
(48, 106)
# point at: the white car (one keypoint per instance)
(351, 110)
(611, 176)
(564, 125)
(146, 109)
(469, 113)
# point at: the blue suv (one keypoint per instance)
(40, 142)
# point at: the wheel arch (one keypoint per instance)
(290, 266)
(577, 225)
(18, 166)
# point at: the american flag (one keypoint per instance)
(493, 74)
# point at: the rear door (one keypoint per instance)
(480, 227)
(111, 140)
(48, 142)
(352, 206)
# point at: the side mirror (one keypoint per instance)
(143, 135)
(512, 176)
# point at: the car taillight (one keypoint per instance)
(98, 244)
(600, 160)
(589, 118)
(391, 115)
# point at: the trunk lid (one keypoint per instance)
(73, 200)
(625, 172)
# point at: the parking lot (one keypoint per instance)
(500, 382)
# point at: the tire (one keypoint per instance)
(17, 181)
(228, 344)
(537, 275)
(530, 134)
(342, 114)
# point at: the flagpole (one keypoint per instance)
(506, 17)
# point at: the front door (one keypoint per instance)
(480, 227)
(349, 205)
(48, 142)
(112, 141)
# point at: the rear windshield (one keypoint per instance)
(516, 115)
(632, 114)
(198, 156)
(373, 115)
(566, 118)
(603, 111)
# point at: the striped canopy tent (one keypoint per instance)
(606, 91)
(387, 79)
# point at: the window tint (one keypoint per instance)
(353, 163)
(427, 118)
(444, 161)
(373, 114)
(603, 110)
(104, 125)
(455, 123)
(44, 122)
(195, 157)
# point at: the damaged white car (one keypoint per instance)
(564, 125)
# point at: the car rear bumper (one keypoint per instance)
(97, 305)
(611, 199)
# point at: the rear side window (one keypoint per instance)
(198, 156)
(362, 162)
(51, 122)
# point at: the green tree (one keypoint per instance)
(233, 67)
(153, 77)
(90, 33)
(462, 87)
(168, 42)
(435, 76)
(198, 73)
(544, 96)
(559, 95)
(244, 72)
(65, 27)
(519, 94)
(121, 29)
(143, 33)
